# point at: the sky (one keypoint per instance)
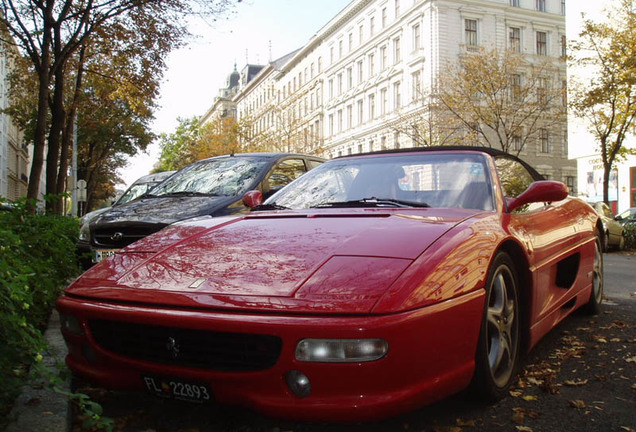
(258, 31)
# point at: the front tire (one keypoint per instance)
(593, 305)
(497, 355)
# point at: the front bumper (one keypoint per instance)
(431, 355)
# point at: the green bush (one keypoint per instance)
(630, 236)
(37, 258)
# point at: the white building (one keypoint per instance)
(14, 155)
(364, 72)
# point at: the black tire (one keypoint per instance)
(593, 305)
(606, 238)
(497, 356)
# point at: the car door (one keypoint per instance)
(549, 236)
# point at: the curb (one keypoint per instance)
(39, 409)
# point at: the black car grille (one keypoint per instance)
(121, 237)
(187, 347)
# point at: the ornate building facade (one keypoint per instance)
(354, 86)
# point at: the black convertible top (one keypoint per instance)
(495, 153)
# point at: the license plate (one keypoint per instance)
(177, 389)
(101, 254)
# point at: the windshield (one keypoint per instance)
(228, 176)
(412, 180)
(134, 192)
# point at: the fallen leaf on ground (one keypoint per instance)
(575, 383)
(577, 403)
(530, 398)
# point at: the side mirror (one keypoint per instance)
(253, 198)
(540, 191)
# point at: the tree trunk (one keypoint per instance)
(55, 136)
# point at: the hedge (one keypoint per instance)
(37, 258)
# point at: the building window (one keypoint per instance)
(397, 55)
(371, 106)
(340, 49)
(417, 85)
(371, 65)
(544, 141)
(359, 148)
(397, 8)
(397, 95)
(514, 39)
(417, 36)
(383, 100)
(361, 34)
(383, 57)
(360, 72)
(470, 30)
(564, 46)
(340, 83)
(514, 3)
(339, 120)
(383, 17)
(542, 91)
(349, 77)
(371, 26)
(542, 43)
(515, 87)
(360, 111)
(349, 116)
(350, 42)
(331, 89)
(541, 5)
(563, 7)
(516, 143)
(383, 143)
(330, 124)
(569, 180)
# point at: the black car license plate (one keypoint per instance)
(178, 389)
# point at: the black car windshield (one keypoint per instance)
(393, 180)
(229, 176)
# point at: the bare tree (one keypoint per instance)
(504, 99)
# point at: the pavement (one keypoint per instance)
(38, 408)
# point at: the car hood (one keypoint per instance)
(163, 210)
(311, 261)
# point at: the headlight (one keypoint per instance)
(85, 232)
(341, 350)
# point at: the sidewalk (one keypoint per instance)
(38, 409)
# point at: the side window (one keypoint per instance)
(285, 172)
(314, 163)
(513, 176)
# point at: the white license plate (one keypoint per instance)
(177, 389)
(101, 254)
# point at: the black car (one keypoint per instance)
(210, 187)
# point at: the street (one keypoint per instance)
(580, 377)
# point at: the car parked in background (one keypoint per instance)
(628, 217)
(210, 187)
(368, 287)
(137, 189)
(614, 233)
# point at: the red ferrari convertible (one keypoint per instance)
(370, 286)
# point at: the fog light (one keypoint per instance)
(298, 383)
(341, 350)
(71, 324)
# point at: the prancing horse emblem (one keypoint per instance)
(117, 236)
(173, 347)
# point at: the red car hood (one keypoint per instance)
(310, 260)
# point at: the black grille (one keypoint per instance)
(122, 237)
(187, 347)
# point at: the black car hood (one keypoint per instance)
(165, 210)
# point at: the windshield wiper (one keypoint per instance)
(184, 193)
(372, 202)
(272, 206)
